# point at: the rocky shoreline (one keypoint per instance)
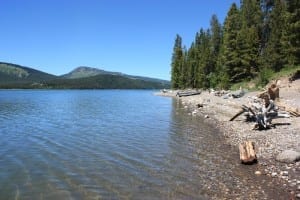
(269, 143)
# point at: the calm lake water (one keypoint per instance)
(111, 144)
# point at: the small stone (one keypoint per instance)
(274, 174)
(285, 173)
(298, 196)
(206, 116)
(257, 172)
(292, 184)
(298, 188)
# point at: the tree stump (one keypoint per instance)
(247, 152)
(273, 91)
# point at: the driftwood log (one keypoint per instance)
(292, 110)
(247, 152)
(188, 93)
(267, 108)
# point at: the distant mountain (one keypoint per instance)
(17, 76)
(83, 72)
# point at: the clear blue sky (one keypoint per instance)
(131, 36)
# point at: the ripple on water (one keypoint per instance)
(111, 145)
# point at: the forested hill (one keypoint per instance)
(257, 39)
(15, 76)
(12, 73)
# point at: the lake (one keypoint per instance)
(113, 144)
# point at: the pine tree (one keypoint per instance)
(266, 7)
(215, 43)
(291, 35)
(249, 40)
(273, 53)
(176, 65)
(192, 63)
(184, 70)
(203, 57)
(230, 52)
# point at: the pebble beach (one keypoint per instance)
(270, 144)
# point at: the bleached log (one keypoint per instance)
(292, 110)
(247, 152)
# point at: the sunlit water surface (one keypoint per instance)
(109, 144)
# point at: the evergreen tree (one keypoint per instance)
(184, 70)
(216, 38)
(203, 57)
(266, 7)
(273, 53)
(192, 63)
(230, 52)
(249, 40)
(291, 35)
(176, 65)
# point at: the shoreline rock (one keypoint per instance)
(288, 156)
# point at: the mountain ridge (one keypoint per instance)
(82, 77)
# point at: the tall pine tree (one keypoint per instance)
(230, 52)
(215, 43)
(291, 35)
(176, 64)
(249, 40)
(273, 57)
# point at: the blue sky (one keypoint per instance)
(131, 36)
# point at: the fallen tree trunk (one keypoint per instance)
(247, 152)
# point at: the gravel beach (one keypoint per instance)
(285, 136)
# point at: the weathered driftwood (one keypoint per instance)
(247, 152)
(292, 110)
(264, 110)
(188, 93)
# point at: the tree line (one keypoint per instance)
(258, 38)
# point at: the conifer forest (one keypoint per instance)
(257, 38)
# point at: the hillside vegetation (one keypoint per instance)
(16, 74)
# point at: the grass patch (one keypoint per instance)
(287, 71)
(264, 77)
